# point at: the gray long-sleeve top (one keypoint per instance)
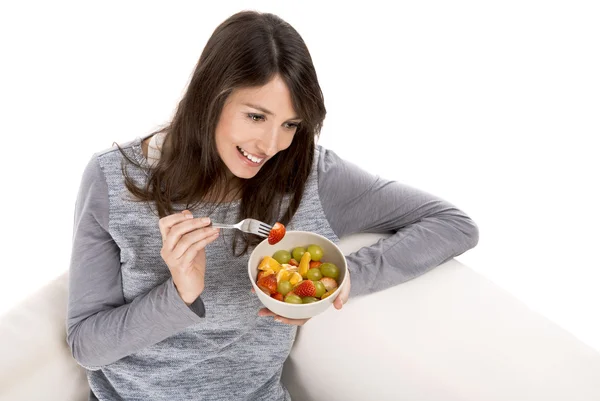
(138, 340)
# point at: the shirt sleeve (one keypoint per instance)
(101, 327)
(427, 231)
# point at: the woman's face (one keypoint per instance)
(254, 125)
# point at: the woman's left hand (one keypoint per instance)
(341, 299)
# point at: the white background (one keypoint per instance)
(493, 106)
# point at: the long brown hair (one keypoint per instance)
(246, 50)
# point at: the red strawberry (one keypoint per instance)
(277, 233)
(268, 284)
(261, 274)
(278, 296)
(306, 288)
(293, 262)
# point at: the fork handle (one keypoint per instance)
(218, 225)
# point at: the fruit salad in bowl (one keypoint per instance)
(299, 276)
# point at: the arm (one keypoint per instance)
(101, 327)
(427, 230)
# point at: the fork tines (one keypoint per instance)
(260, 228)
(264, 229)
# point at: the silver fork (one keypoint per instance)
(251, 226)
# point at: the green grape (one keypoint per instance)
(284, 287)
(316, 252)
(293, 299)
(297, 253)
(330, 270)
(308, 300)
(314, 274)
(319, 289)
(282, 256)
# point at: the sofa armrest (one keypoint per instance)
(448, 335)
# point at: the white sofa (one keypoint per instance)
(447, 335)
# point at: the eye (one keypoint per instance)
(291, 125)
(256, 117)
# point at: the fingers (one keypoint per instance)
(339, 302)
(175, 226)
(343, 296)
(166, 223)
(281, 319)
(190, 253)
(198, 238)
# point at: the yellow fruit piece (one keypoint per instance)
(268, 263)
(295, 278)
(283, 275)
(328, 293)
(304, 264)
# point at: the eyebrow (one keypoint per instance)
(266, 111)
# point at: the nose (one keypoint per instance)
(269, 143)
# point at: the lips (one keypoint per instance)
(249, 156)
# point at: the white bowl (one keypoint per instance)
(292, 239)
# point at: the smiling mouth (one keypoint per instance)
(249, 156)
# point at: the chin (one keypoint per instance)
(244, 174)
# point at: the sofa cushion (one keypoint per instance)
(450, 334)
(36, 362)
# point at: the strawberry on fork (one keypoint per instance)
(276, 233)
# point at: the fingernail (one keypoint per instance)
(278, 319)
(189, 216)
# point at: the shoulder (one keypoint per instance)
(106, 163)
(117, 148)
(326, 160)
(332, 169)
(127, 154)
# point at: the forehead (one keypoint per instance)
(273, 96)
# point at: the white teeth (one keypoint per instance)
(250, 157)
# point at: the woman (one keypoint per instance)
(160, 306)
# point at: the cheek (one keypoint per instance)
(225, 136)
(238, 132)
(285, 141)
(221, 142)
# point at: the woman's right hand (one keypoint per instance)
(184, 239)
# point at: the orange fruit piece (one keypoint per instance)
(268, 263)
